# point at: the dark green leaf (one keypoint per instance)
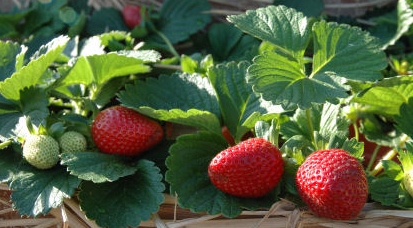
(194, 92)
(180, 19)
(126, 202)
(188, 175)
(236, 99)
(9, 163)
(223, 38)
(404, 21)
(384, 190)
(9, 54)
(36, 191)
(97, 167)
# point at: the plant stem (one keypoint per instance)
(373, 157)
(390, 155)
(5, 144)
(311, 127)
(167, 42)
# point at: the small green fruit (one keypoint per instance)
(72, 141)
(408, 182)
(41, 151)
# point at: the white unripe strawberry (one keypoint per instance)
(72, 141)
(408, 182)
(41, 151)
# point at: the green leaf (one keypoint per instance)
(188, 176)
(393, 170)
(97, 167)
(180, 19)
(387, 96)
(33, 104)
(282, 26)
(404, 21)
(194, 92)
(223, 38)
(405, 117)
(9, 163)
(11, 55)
(384, 190)
(36, 191)
(131, 199)
(203, 120)
(105, 19)
(285, 82)
(347, 51)
(280, 75)
(101, 68)
(236, 98)
(30, 74)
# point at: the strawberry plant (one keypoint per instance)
(270, 74)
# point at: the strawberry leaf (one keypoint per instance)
(96, 167)
(131, 199)
(194, 103)
(287, 82)
(101, 68)
(334, 43)
(384, 190)
(387, 96)
(31, 74)
(279, 25)
(405, 117)
(12, 55)
(37, 191)
(236, 99)
(180, 19)
(203, 120)
(188, 176)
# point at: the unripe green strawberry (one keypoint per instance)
(249, 169)
(72, 141)
(123, 131)
(333, 184)
(408, 181)
(41, 151)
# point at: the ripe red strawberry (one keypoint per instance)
(132, 15)
(123, 131)
(333, 184)
(249, 169)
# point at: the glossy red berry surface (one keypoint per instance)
(333, 184)
(249, 169)
(123, 131)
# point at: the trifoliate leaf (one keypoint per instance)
(36, 191)
(30, 74)
(279, 25)
(188, 177)
(387, 96)
(126, 202)
(96, 167)
(193, 92)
